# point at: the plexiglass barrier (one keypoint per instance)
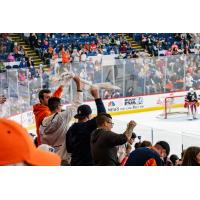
(139, 76)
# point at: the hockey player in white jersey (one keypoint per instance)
(191, 102)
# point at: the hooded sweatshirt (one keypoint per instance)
(41, 111)
(53, 128)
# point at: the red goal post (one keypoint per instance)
(174, 105)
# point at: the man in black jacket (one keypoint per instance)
(78, 135)
(104, 142)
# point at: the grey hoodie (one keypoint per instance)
(54, 128)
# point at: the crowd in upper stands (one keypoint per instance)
(167, 44)
(83, 45)
(79, 46)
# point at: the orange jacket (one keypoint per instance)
(41, 111)
(65, 57)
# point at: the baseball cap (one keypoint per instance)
(17, 146)
(83, 111)
(165, 146)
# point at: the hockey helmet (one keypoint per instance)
(191, 90)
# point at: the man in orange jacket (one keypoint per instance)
(41, 109)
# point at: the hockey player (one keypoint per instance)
(191, 102)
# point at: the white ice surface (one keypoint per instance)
(178, 131)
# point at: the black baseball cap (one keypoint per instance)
(83, 111)
(133, 135)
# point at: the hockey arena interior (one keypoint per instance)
(103, 99)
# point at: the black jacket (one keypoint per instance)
(103, 147)
(78, 139)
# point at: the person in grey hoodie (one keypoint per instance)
(53, 128)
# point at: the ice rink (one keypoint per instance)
(178, 131)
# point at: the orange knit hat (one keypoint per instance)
(16, 146)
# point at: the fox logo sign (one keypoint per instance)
(133, 101)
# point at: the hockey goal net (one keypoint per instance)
(173, 106)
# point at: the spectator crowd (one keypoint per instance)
(90, 140)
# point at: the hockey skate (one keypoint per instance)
(190, 117)
(195, 116)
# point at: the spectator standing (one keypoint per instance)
(41, 110)
(54, 127)
(65, 59)
(104, 142)
(93, 46)
(79, 134)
